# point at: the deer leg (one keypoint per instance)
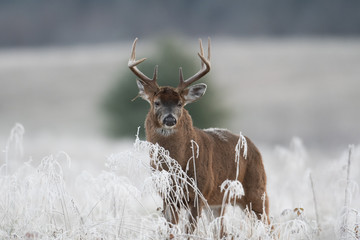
(195, 214)
(253, 200)
(171, 213)
(219, 212)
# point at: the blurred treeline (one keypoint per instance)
(44, 22)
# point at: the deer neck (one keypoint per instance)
(176, 140)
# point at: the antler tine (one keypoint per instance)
(201, 51)
(181, 75)
(155, 72)
(132, 63)
(205, 68)
(209, 43)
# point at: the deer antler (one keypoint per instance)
(205, 68)
(150, 83)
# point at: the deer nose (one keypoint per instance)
(169, 120)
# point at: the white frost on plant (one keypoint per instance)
(241, 144)
(294, 224)
(162, 182)
(232, 189)
(193, 158)
(14, 141)
(51, 200)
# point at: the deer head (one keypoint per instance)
(167, 103)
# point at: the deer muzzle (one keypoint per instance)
(169, 120)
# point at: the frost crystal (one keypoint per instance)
(233, 189)
(241, 144)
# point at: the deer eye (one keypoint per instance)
(179, 104)
(157, 103)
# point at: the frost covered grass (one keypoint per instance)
(309, 198)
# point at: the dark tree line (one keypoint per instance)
(40, 22)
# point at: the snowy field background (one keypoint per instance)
(60, 178)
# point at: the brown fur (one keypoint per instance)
(216, 162)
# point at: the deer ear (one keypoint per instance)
(194, 92)
(142, 92)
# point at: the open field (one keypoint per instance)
(62, 198)
(79, 184)
(275, 88)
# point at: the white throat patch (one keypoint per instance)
(165, 131)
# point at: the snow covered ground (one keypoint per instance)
(114, 196)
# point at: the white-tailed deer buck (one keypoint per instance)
(169, 124)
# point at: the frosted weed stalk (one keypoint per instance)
(15, 143)
(233, 188)
(36, 202)
(349, 217)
